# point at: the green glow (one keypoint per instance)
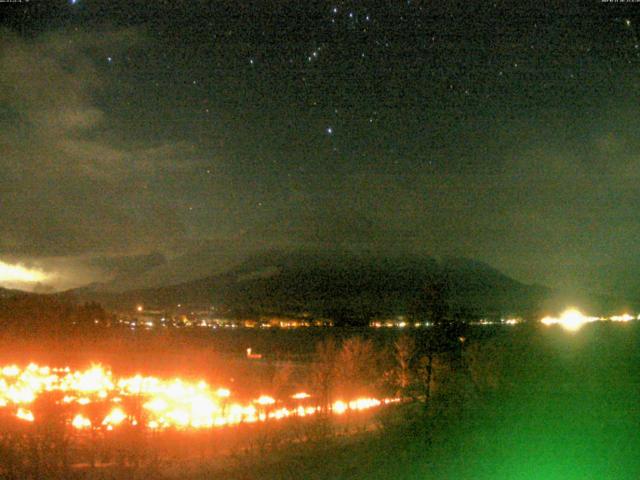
(568, 410)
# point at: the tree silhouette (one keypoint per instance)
(359, 368)
(50, 437)
(404, 355)
(323, 375)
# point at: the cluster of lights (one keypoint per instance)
(314, 54)
(572, 319)
(403, 322)
(503, 321)
(398, 324)
(165, 403)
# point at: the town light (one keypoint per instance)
(571, 320)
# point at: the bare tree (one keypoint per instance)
(485, 363)
(404, 355)
(281, 379)
(13, 446)
(49, 436)
(425, 375)
(96, 412)
(323, 375)
(359, 367)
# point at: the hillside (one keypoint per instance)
(345, 286)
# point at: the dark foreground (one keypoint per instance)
(569, 408)
(535, 404)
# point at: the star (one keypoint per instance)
(330, 130)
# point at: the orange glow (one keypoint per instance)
(265, 400)
(300, 396)
(340, 407)
(80, 421)
(223, 392)
(165, 403)
(115, 417)
(24, 414)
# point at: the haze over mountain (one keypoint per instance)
(353, 287)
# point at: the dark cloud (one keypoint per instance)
(65, 190)
(165, 142)
(125, 266)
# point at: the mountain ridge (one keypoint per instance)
(351, 288)
(346, 285)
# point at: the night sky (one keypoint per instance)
(169, 139)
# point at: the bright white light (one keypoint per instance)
(223, 392)
(571, 319)
(13, 274)
(625, 317)
(265, 400)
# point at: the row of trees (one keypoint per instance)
(414, 368)
(408, 368)
(32, 314)
(46, 447)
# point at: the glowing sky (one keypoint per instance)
(19, 276)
